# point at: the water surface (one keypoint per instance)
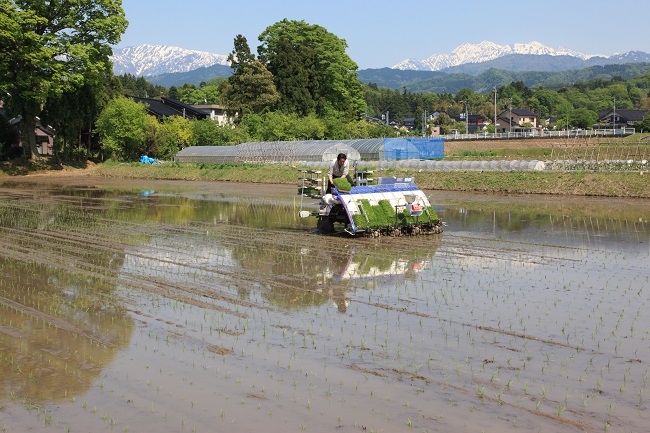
(174, 306)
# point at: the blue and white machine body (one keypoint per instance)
(401, 193)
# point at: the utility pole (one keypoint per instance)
(510, 119)
(614, 115)
(495, 109)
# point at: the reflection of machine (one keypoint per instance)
(394, 207)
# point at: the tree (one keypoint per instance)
(334, 86)
(250, 88)
(173, 135)
(73, 113)
(278, 126)
(50, 47)
(644, 125)
(207, 132)
(293, 74)
(8, 136)
(583, 118)
(122, 127)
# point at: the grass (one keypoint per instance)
(618, 184)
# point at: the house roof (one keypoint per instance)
(166, 107)
(181, 106)
(523, 112)
(156, 107)
(628, 115)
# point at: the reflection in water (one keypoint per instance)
(598, 222)
(237, 311)
(56, 331)
(329, 273)
(58, 326)
(286, 275)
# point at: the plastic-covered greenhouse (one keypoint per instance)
(394, 149)
(208, 154)
(371, 149)
(269, 152)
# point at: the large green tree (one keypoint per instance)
(122, 127)
(333, 84)
(250, 88)
(293, 70)
(50, 47)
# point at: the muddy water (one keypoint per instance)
(176, 306)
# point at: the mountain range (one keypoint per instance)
(483, 52)
(150, 60)
(167, 66)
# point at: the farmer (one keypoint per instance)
(339, 168)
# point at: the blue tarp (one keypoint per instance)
(147, 160)
(413, 148)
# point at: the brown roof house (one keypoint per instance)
(515, 119)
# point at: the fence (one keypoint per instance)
(618, 132)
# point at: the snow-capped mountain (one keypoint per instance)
(485, 51)
(160, 59)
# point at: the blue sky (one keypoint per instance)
(382, 33)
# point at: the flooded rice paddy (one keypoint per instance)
(200, 307)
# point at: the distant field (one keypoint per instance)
(544, 148)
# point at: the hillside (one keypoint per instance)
(439, 82)
(195, 77)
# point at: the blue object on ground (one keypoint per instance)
(147, 160)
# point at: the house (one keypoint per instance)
(215, 112)
(475, 122)
(623, 118)
(515, 119)
(44, 135)
(166, 107)
(409, 122)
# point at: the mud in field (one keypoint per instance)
(180, 306)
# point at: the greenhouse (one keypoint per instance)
(208, 154)
(393, 149)
(318, 151)
(270, 152)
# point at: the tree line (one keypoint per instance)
(301, 85)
